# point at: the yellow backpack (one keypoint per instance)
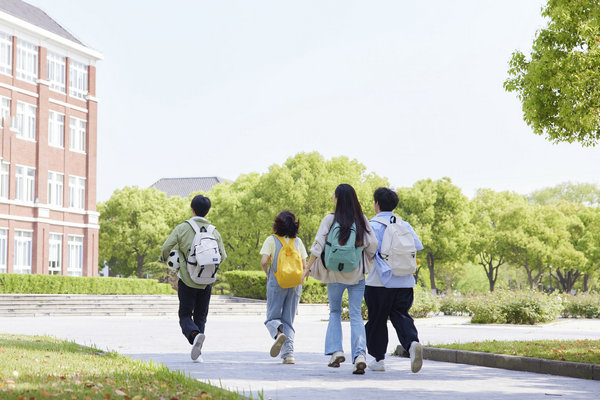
(287, 263)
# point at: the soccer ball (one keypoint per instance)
(173, 260)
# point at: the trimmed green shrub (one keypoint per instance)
(582, 306)
(249, 284)
(424, 303)
(515, 307)
(454, 305)
(314, 291)
(58, 284)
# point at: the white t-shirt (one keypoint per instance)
(268, 247)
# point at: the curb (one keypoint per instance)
(515, 363)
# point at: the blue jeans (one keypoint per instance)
(333, 338)
(281, 311)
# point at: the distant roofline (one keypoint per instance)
(36, 30)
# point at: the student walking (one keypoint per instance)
(194, 297)
(389, 288)
(283, 260)
(340, 256)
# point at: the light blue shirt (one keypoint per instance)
(382, 274)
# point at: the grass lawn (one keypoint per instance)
(42, 367)
(585, 351)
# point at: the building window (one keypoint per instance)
(75, 267)
(4, 109)
(25, 120)
(78, 79)
(25, 184)
(55, 254)
(27, 61)
(56, 129)
(77, 192)
(3, 247)
(23, 245)
(77, 140)
(5, 53)
(4, 175)
(55, 188)
(57, 67)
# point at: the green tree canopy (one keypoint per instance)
(134, 223)
(584, 193)
(439, 213)
(558, 82)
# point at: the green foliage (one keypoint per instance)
(454, 305)
(558, 82)
(249, 284)
(424, 303)
(579, 193)
(314, 292)
(134, 223)
(38, 367)
(582, 306)
(56, 284)
(244, 210)
(512, 307)
(439, 213)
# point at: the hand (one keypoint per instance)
(305, 275)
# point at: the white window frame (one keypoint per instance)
(27, 61)
(78, 79)
(25, 122)
(23, 251)
(77, 192)
(57, 71)
(3, 249)
(4, 109)
(75, 262)
(4, 179)
(25, 183)
(55, 188)
(78, 129)
(56, 129)
(55, 242)
(5, 53)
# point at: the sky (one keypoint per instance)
(411, 89)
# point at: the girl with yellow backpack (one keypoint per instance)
(286, 255)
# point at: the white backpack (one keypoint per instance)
(398, 246)
(204, 257)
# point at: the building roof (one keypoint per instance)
(35, 16)
(183, 187)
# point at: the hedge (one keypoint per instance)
(253, 285)
(582, 306)
(58, 284)
(515, 307)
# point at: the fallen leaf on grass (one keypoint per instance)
(120, 392)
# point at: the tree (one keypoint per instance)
(492, 217)
(304, 184)
(558, 82)
(584, 193)
(439, 213)
(134, 223)
(589, 242)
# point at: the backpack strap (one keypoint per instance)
(385, 221)
(194, 225)
(210, 228)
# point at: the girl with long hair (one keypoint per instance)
(351, 224)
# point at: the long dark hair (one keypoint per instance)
(347, 212)
(286, 224)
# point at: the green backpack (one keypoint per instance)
(342, 258)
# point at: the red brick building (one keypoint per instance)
(48, 145)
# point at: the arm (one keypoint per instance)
(264, 263)
(168, 245)
(220, 244)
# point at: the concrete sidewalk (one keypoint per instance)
(236, 356)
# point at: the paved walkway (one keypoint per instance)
(236, 356)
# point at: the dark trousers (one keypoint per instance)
(193, 308)
(394, 303)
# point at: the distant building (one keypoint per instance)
(48, 117)
(183, 187)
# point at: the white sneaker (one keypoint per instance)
(360, 364)
(289, 359)
(377, 365)
(278, 344)
(416, 356)
(197, 346)
(336, 359)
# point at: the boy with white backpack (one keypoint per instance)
(198, 248)
(389, 287)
